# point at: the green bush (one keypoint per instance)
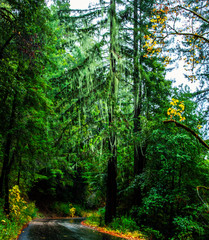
(31, 210)
(61, 208)
(97, 218)
(8, 229)
(80, 211)
(151, 233)
(124, 224)
(187, 228)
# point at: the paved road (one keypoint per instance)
(61, 229)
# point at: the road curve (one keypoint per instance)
(61, 229)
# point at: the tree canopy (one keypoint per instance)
(90, 121)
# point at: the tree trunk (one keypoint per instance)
(5, 164)
(7, 160)
(19, 171)
(139, 157)
(6, 198)
(111, 194)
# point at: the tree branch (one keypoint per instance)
(195, 35)
(188, 130)
(5, 45)
(2, 10)
(195, 13)
(198, 193)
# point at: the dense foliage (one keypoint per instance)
(89, 120)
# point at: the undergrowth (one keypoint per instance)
(67, 209)
(121, 225)
(21, 213)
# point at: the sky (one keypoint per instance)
(81, 4)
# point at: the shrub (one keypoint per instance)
(72, 210)
(8, 229)
(152, 233)
(124, 224)
(67, 209)
(20, 214)
(20, 211)
(79, 210)
(61, 208)
(187, 228)
(97, 218)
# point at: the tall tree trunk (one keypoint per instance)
(7, 160)
(111, 194)
(139, 158)
(19, 171)
(6, 198)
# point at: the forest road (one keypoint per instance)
(61, 229)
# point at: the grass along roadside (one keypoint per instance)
(124, 227)
(128, 235)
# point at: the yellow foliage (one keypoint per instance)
(177, 109)
(17, 204)
(72, 210)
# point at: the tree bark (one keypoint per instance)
(7, 160)
(19, 171)
(139, 157)
(111, 192)
(5, 45)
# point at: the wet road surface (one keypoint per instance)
(61, 229)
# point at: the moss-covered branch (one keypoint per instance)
(188, 130)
